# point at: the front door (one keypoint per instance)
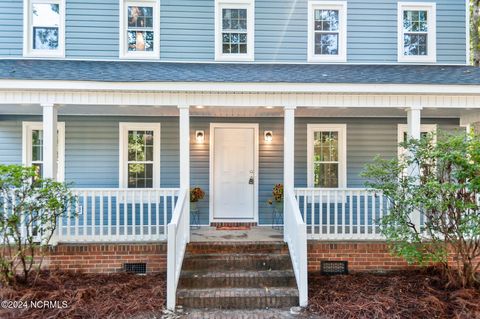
(234, 176)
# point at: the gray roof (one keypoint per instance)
(122, 71)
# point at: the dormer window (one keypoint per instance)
(140, 38)
(327, 31)
(416, 32)
(44, 29)
(234, 30)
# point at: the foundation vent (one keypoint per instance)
(135, 268)
(334, 267)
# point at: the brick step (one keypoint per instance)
(238, 298)
(237, 279)
(237, 248)
(216, 262)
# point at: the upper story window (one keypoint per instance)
(416, 32)
(139, 155)
(140, 29)
(327, 159)
(327, 31)
(44, 28)
(234, 30)
(32, 147)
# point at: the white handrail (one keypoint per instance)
(342, 213)
(178, 237)
(118, 215)
(295, 235)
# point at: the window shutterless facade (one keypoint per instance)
(140, 29)
(416, 32)
(326, 151)
(139, 155)
(32, 147)
(44, 28)
(327, 31)
(234, 30)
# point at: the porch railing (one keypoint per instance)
(118, 215)
(178, 238)
(342, 213)
(295, 234)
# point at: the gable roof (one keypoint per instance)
(123, 71)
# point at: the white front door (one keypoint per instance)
(234, 175)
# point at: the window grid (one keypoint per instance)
(140, 30)
(326, 31)
(45, 25)
(415, 36)
(326, 160)
(234, 31)
(140, 158)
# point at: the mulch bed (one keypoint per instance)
(89, 295)
(406, 294)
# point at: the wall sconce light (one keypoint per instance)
(200, 136)
(268, 136)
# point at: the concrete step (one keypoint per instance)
(238, 298)
(245, 262)
(237, 279)
(276, 247)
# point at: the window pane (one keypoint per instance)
(326, 20)
(325, 147)
(234, 19)
(38, 169)
(140, 17)
(326, 43)
(415, 44)
(45, 38)
(415, 21)
(140, 40)
(37, 145)
(45, 14)
(326, 175)
(140, 175)
(234, 42)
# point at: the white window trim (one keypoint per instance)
(235, 4)
(431, 8)
(124, 53)
(341, 6)
(403, 128)
(27, 128)
(123, 150)
(342, 150)
(28, 50)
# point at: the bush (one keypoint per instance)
(445, 195)
(29, 210)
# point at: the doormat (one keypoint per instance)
(233, 228)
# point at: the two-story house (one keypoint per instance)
(135, 101)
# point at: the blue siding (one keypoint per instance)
(187, 30)
(92, 150)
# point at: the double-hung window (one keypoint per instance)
(32, 147)
(425, 129)
(327, 31)
(44, 28)
(326, 153)
(140, 29)
(139, 155)
(234, 30)
(416, 32)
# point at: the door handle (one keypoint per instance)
(251, 180)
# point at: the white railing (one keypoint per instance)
(295, 235)
(118, 215)
(342, 213)
(178, 238)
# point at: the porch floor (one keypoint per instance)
(254, 234)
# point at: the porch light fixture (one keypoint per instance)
(268, 136)
(200, 136)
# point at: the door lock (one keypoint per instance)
(251, 181)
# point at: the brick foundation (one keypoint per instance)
(107, 258)
(361, 256)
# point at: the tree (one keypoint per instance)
(29, 210)
(475, 31)
(445, 194)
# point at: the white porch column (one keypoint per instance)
(184, 111)
(288, 147)
(50, 166)
(414, 132)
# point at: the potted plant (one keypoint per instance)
(196, 194)
(277, 198)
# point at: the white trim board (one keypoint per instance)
(255, 126)
(27, 128)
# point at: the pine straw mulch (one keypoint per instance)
(406, 294)
(118, 295)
